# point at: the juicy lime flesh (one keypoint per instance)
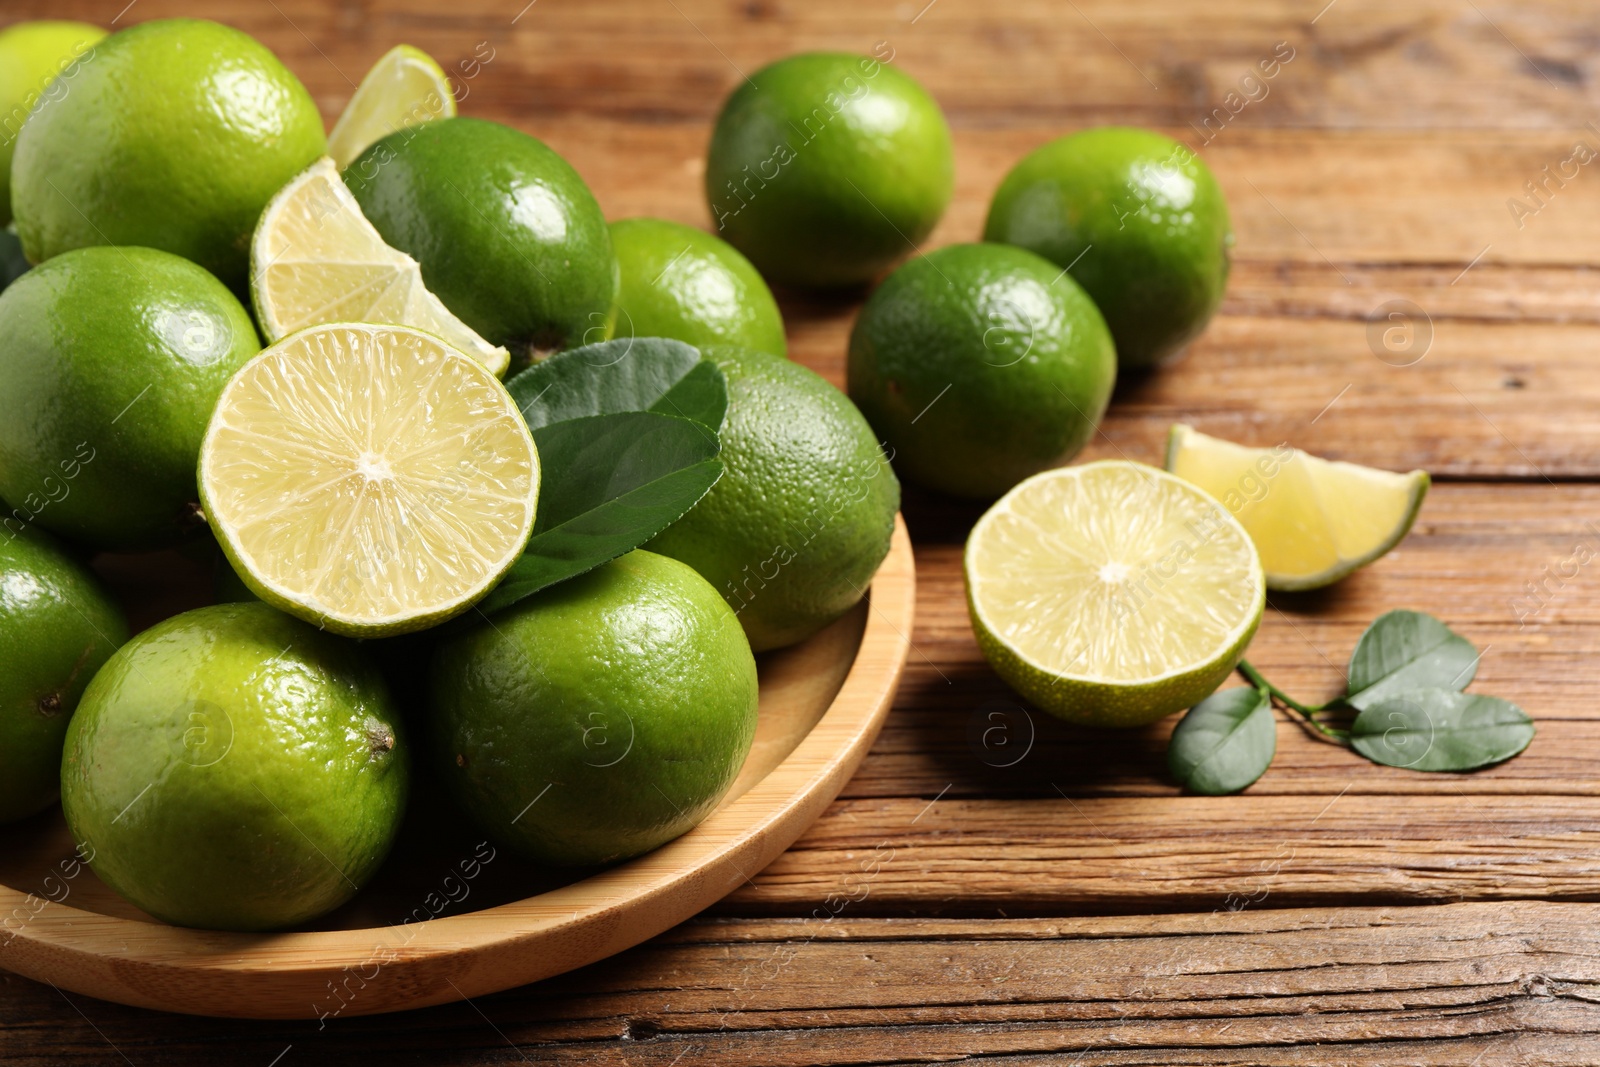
(600, 718)
(1112, 593)
(369, 479)
(826, 168)
(175, 137)
(232, 768)
(1312, 520)
(1140, 222)
(111, 360)
(316, 259)
(404, 88)
(684, 283)
(799, 522)
(32, 56)
(980, 365)
(57, 626)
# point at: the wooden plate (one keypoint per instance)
(449, 917)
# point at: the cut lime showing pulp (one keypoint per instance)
(1112, 594)
(405, 87)
(369, 479)
(1313, 520)
(316, 259)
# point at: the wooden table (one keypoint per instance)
(1059, 899)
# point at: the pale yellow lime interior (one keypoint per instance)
(1313, 520)
(404, 88)
(370, 474)
(1113, 571)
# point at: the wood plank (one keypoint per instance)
(1460, 985)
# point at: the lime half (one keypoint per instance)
(369, 479)
(1112, 594)
(1313, 520)
(316, 259)
(405, 87)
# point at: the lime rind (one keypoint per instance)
(404, 88)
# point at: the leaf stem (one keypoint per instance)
(1307, 714)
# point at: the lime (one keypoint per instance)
(404, 88)
(980, 365)
(1112, 594)
(234, 769)
(826, 168)
(1138, 220)
(796, 528)
(111, 360)
(57, 626)
(316, 259)
(369, 479)
(683, 283)
(174, 137)
(508, 235)
(32, 55)
(600, 718)
(1313, 520)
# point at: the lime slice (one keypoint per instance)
(1112, 594)
(316, 259)
(1313, 520)
(404, 88)
(369, 479)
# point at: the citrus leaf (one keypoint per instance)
(1224, 743)
(1440, 730)
(629, 374)
(1406, 650)
(611, 483)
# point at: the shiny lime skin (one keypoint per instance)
(683, 283)
(111, 361)
(980, 364)
(600, 718)
(827, 168)
(232, 768)
(174, 136)
(1142, 224)
(57, 626)
(795, 529)
(32, 56)
(508, 235)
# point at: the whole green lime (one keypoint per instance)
(232, 768)
(508, 235)
(795, 529)
(683, 283)
(174, 137)
(32, 56)
(827, 168)
(111, 361)
(600, 718)
(980, 365)
(57, 626)
(1139, 221)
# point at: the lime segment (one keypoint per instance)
(404, 88)
(1313, 520)
(369, 479)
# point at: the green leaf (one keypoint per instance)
(1406, 650)
(1440, 730)
(629, 374)
(611, 483)
(1224, 743)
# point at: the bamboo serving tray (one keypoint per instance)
(450, 916)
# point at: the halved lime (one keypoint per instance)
(1313, 520)
(316, 259)
(369, 479)
(1112, 594)
(405, 87)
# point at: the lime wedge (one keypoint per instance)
(369, 479)
(316, 259)
(1313, 520)
(404, 88)
(1112, 594)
